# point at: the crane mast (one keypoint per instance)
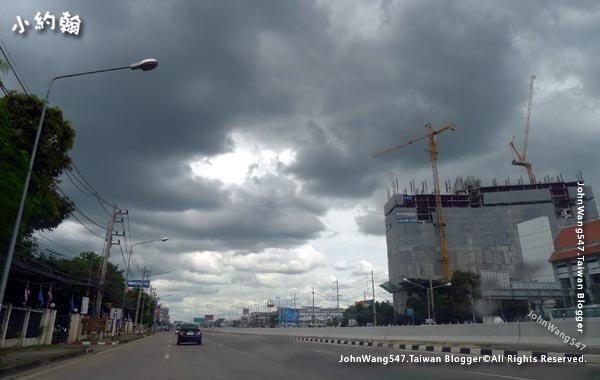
(439, 217)
(522, 158)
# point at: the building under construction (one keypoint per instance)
(481, 225)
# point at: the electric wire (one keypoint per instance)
(84, 215)
(86, 227)
(72, 177)
(12, 66)
(89, 187)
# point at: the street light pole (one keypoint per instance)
(149, 273)
(144, 65)
(429, 293)
(128, 266)
(278, 311)
(135, 321)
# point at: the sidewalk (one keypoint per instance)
(14, 360)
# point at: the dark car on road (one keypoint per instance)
(189, 333)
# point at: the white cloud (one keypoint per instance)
(247, 160)
(294, 261)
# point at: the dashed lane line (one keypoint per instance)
(326, 352)
(501, 376)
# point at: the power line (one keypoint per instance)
(90, 192)
(86, 227)
(80, 211)
(63, 241)
(55, 242)
(3, 88)
(123, 255)
(67, 172)
(90, 187)
(4, 51)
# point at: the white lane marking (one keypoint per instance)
(325, 352)
(168, 345)
(502, 376)
(167, 356)
(219, 344)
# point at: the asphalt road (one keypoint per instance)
(243, 357)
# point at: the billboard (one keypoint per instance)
(288, 316)
(208, 317)
(198, 320)
(136, 283)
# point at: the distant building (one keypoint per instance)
(163, 315)
(256, 319)
(564, 258)
(481, 227)
(322, 315)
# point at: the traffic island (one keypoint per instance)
(116, 340)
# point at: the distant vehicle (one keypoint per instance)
(569, 314)
(189, 332)
(166, 328)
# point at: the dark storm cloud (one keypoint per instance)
(457, 64)
(286, 74)
(262, 213)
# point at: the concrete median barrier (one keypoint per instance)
(513, 334)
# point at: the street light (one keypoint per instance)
(163, 239)
(140, 294)
(429, 293)
(144, 65)
(278, 310)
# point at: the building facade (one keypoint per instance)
(566, 253)
(317, 316)
(481, 226)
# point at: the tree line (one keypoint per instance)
(41, 277)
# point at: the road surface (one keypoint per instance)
(234, 357)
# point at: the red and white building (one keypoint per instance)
(566, 252)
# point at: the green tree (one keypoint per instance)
(385, 313)
(451, 304)
(45, 207)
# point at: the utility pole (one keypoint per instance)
(87, 292)
(337, 291)
(313, 307)
(432, 301)
(374, 308)
(144, 302)
(105, 257)
(473, 303)
(137, 308)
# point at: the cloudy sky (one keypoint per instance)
(250, 145)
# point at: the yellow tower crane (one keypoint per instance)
(521, 159)
(433, 155)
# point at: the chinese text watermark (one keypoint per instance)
(68, 24)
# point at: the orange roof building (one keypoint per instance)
(566, 252)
